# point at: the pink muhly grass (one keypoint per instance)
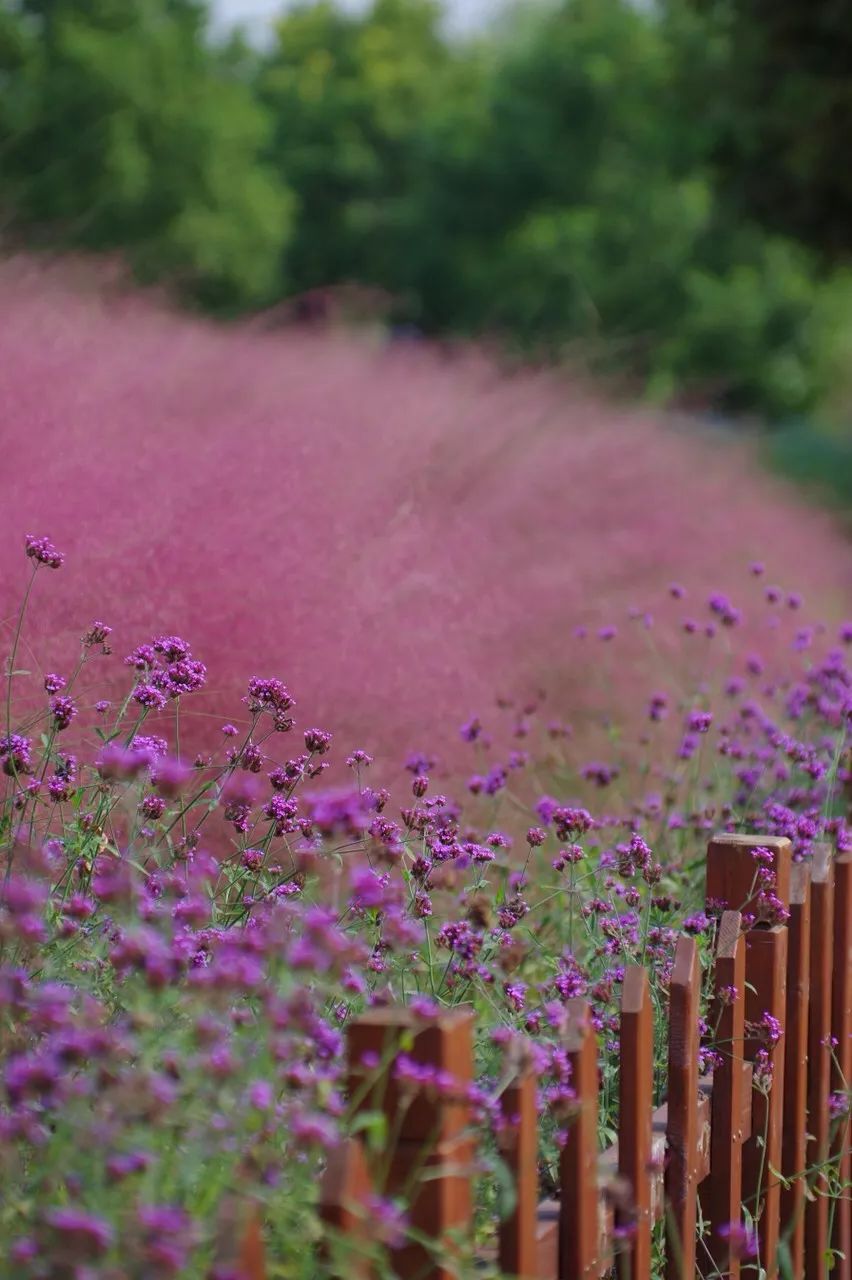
(384, 528)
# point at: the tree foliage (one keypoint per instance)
(130, 132)
(658, 188)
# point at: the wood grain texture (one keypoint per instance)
(579, 1198)
(766, 993)
(819, 1057)
(518, 1234)
(793, 1147)
(636, 1079)
(723, 1195)
(841, 1068)
(682, 1128)
(431, 1161)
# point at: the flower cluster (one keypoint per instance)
(182, 946)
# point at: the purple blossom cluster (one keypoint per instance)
(183, 945)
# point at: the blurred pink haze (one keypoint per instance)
(397, 534)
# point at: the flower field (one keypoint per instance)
(207, 874)
(404, 534)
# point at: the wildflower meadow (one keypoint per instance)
(185, 938)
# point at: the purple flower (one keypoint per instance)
(170, 1236)
(53, 682)
(471, 730)
(170, 776)
(340, 812)
(696, 923)
(146, 695)
(250, 758)
(82, 1234)
(271, 696)
(63, 711)
(658, 707)
(183, 676)
(742, 1240)
(152, 807)
(126, 1164)
(419, 762)
(369, 890)
(599, 773)
(317, 741)
(261, 1095)
(98, 633)
(44, 552)
(15, 754)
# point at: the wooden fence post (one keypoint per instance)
(841, 1070)
(518, 1244)
(578, 1174)
(730, 1081)
(682, 1136)
(431, 1146)
(636, 1101)
(344, 1209)
(732, 879)
(819, 1056)
(793, 1152)
(252, 1254)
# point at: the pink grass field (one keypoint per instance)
(397, 534)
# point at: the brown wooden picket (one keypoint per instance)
(731, 1093)
(429, 1159)
(683, 1137)
(518, 1245)
(344, 1210)
(841, 1068)
(636, 1084)
(579, 1213)
(819, 1057)
(793, 1154)
(718, 1144)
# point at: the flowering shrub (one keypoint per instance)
(182, 942)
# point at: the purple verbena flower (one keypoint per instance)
(42, 551)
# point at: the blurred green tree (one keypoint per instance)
(127, 130)
(768, 85)
(358, 102)
(658, 188)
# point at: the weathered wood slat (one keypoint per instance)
(723, 1195)
(343, 1208)
(578, 1175)
(432, 1158)
(518, 1237)
(682, 1128)
(636, 1081)
(819, 1057)
(841, 1071)
(766, 994)
(796, 1065)
(732, 881)
(735, 881)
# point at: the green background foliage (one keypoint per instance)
(659, 191)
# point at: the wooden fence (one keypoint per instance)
(717, 1144)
